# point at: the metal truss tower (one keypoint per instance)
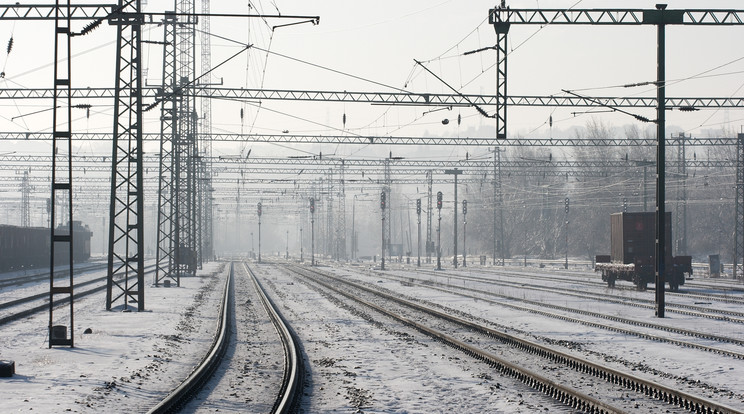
(498, 206)
(739, 229)
(680, 225)
(185, 150)
(126, 239)
(205, 129)
(168, 123)
(387, 212)
(25, 200)
(341, 216)
(329, 240)
(61, 287)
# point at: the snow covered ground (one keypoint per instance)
(129, 361)
(357, 361)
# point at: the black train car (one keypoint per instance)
(633, 252)
(28, 247)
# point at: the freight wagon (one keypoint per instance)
(28, 247)
(633, 252)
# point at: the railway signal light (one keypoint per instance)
(464, 206)
(259, 209)
(439, 200)
(567, 203)
(382, 200)
(418, 207)
(312, 205)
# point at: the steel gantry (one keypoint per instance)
(396, 140)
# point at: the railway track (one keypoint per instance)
(679, 308)
(290, 392)
(459, 290)
(42, 276)
(546, 368)
(579, 278)
(44, 299)
(290, 389)
(178, 397)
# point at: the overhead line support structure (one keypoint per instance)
(125, 281)
(166, 225)
(398, 98)
(393, 140)
(61, 213)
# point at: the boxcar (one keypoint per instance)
(28, 247)
(633, 252)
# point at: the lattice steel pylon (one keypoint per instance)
(185, 252)
(341, 216)
(166, 243)
(205, 130)
(329, 233)
(680, 225)
(126, 239)
(739, 229)
(61, 236)
(388, 218)
(25, 200)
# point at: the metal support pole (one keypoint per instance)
(302, 259)
(454, 172)
(464, 231)
(439, 230)
(567, 208)
(382, 233)
(418, 247)
(738, 269)
(259, 239)
(439, 241)
(660, 160)
(312, 240)
(495, 150)
(287, 251)
(382, 250)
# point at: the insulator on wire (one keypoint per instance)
(90, 27)
(10, 44)
(344, 120)
(459, 119)
(241, 114)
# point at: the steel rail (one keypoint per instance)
(566, 395)
(45, 306)
(646, 387)
(179, 396)
(681, 308)
(685, 344)
(290, 392)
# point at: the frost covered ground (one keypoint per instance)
(357, 361)
(129, 361)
